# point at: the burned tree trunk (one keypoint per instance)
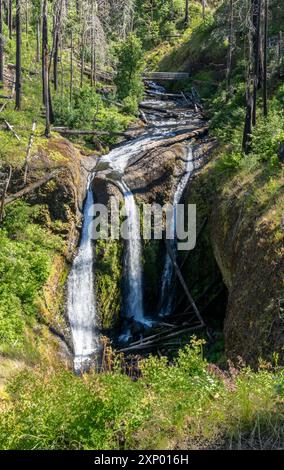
(249, 99)
(18, 56)
(186, 16)
(256, 50)
(10, 18)
(265, 104)
(38, 41)
(230, 50)
(71, 67)
(1, 43)
(45, 80)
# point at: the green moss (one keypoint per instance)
(108, 282)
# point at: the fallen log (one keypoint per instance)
(31, 187)
(154, 109)
(10, 128)
(5, 97)
(143, 117)
(65, 131)
(153, 343)
(24, 70)
(183, 283)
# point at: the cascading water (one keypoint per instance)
(81, 302)
(81, 296)
(134, 297)
(167, 293)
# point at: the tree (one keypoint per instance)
(256, 12)
(1, 43)
(186, 17)
(10, 18)
(265, 105)
(230, 48)
(130, 64)
(45, 67)
(18, 56)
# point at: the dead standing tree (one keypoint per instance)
(1, 43)
(45, 67)
(18, 56)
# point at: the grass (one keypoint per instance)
(188, 404)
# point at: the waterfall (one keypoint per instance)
(81, 302)
(134, 291)
(167, 292)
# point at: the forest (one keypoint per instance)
(132, 109)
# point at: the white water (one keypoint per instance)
(134, 298)
(167, 292)
(81, 302)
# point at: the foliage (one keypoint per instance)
(187, 404)
(26, 255)
(129, 68)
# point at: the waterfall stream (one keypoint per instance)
(167, 291)
(81, 302)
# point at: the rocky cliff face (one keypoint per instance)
(60, 202)
(243, 241)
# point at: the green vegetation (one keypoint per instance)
(129, 80)
(187, 405)
(26, 259)
(108, 282)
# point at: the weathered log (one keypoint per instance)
(65, 131)
(25, 70)
(31, 187)
(10, 128)
(5, 97)
(155, 109)
(183, 283)
(143, 117)
(29, 152)
(153, 343)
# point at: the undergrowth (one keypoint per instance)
(183, 405)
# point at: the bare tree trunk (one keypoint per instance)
(18, 56)
(186, 16)
(10, 18)
(230, 50)
(265, 105)
(27, 16)
(280, 55)
(1, 44)
(203, 8)
(249, 101)
(256, 24)
(38, 41)
(55, 44)
(45, 68)
(71, 67)
(82, 59)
